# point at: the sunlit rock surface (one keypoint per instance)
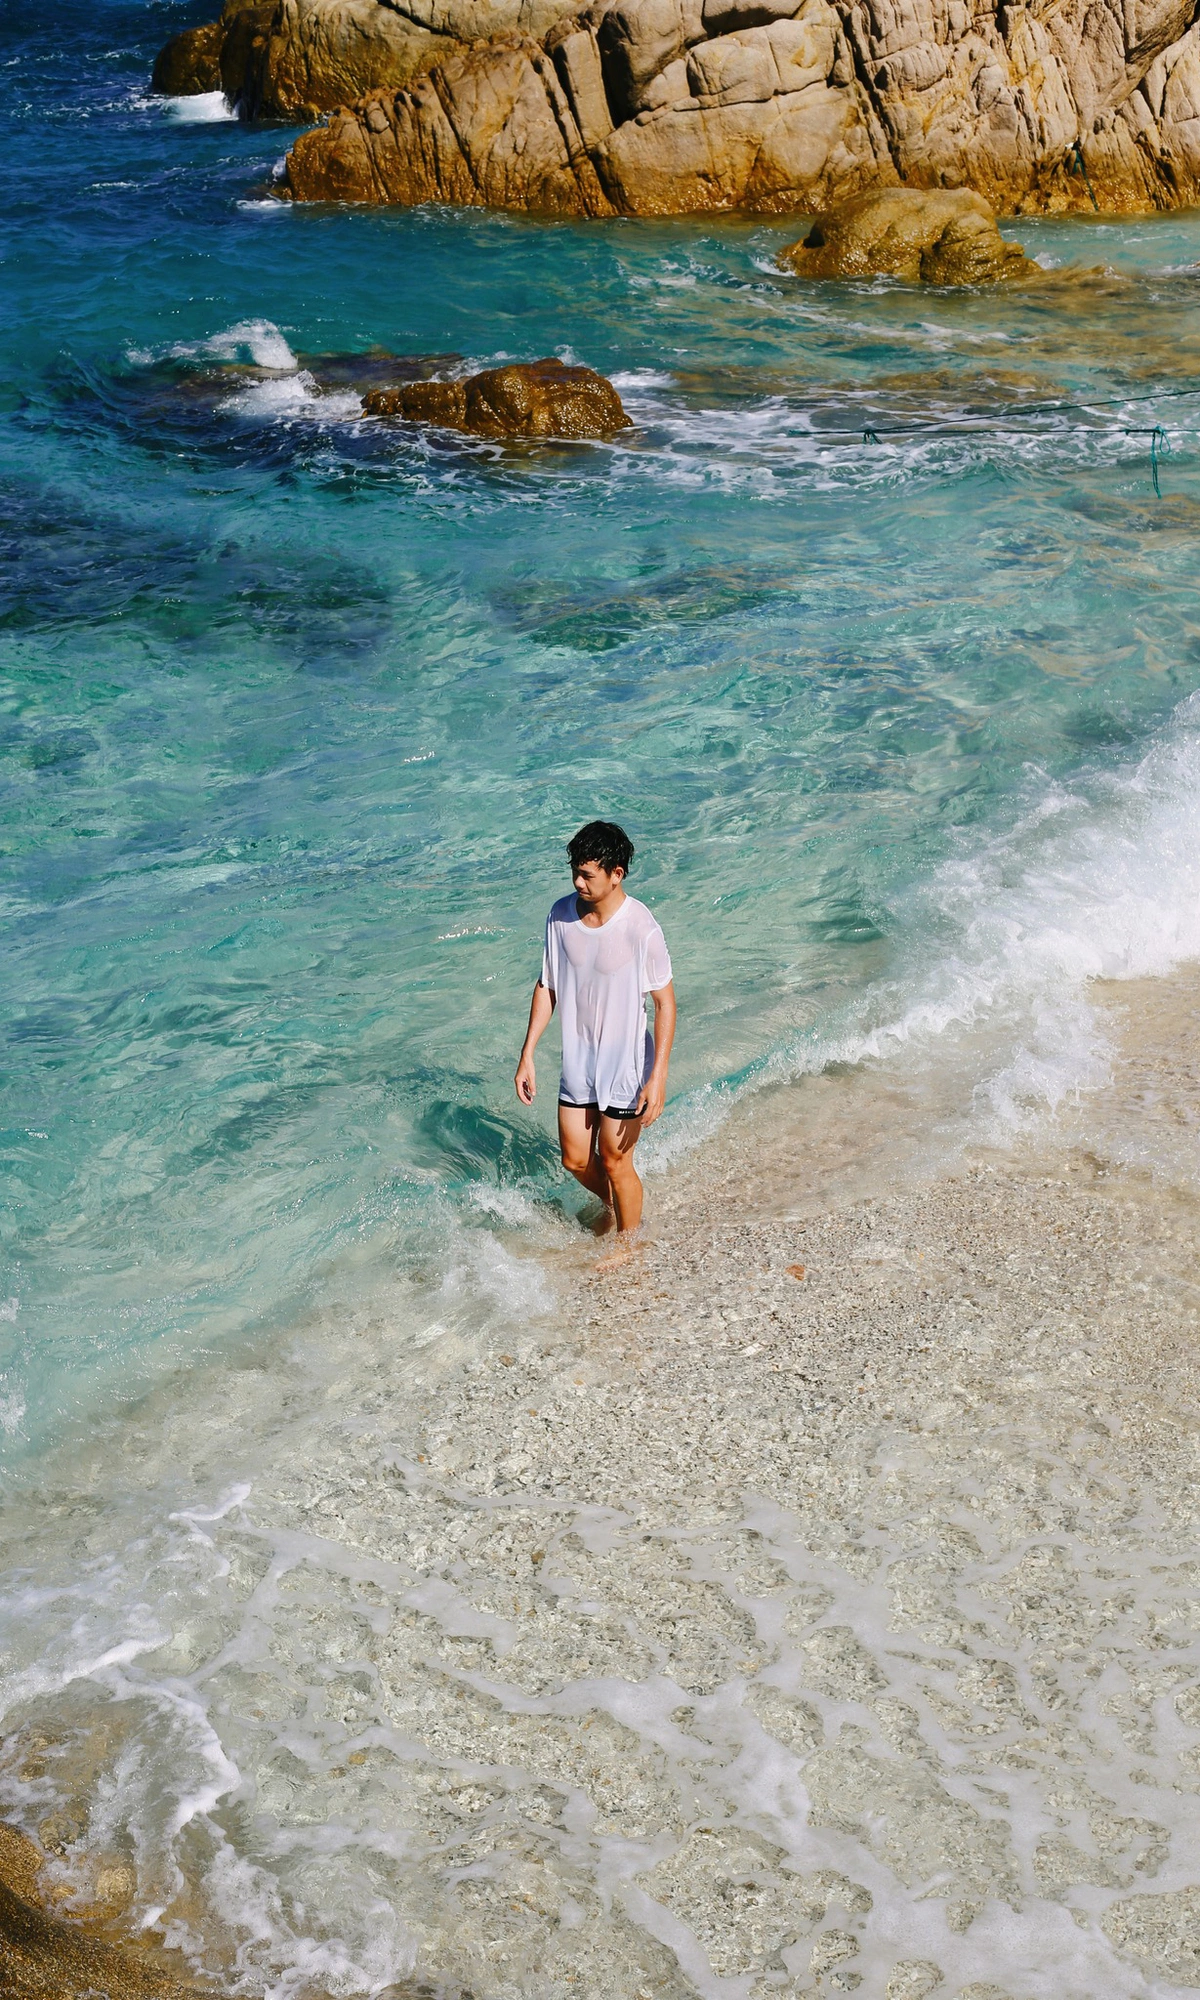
(525, 399)
(938, 237)
(298, 58)
(652, 107)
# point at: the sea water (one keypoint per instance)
(878, 631)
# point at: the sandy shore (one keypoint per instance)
(807, 1606)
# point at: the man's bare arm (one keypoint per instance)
(654, 1093)
(541, 1007)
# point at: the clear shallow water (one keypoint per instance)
(298, 710)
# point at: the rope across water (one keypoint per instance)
(1160, 444)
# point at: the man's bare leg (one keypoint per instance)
(578, 1127)
(618, 1137)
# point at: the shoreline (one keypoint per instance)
(737, 1632)
(399, 1604)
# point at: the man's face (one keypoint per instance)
(592, 882)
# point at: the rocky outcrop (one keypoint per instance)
(632, 111)
(191, 62)
(44, 1958)
(492, 127)
(537, 399)
(923, 237)
(298, 58)
(221, 55)
(651, 107)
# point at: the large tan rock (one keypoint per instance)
(924, 236)
(525, 124)
(492, 128)
(300, 58)
(536, 399)
(651, 107)
(191, 62)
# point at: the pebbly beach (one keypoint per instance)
(806, 1606)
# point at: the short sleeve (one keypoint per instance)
(656, 965)
(548, 973)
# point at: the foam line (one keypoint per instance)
(1095, 879)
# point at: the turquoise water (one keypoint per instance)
(298, 709)
(879, 632)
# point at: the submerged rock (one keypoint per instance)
(195, 390)
(534, 399)
(654, 107)
(44, 1958)
(939, 236)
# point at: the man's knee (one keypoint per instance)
(575, 1160)
(615, 1157)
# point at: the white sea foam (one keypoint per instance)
(258, 341)
(288, 397)
(1098, 880)
(766, 447)
(260, 338)
(508, 1204)
(631, 380)
(208, 107)
(1095, 880)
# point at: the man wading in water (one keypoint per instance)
(604, 953)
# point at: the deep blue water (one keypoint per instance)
(298, 710)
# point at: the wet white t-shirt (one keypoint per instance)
(600, 976)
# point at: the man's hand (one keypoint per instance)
(540, 1009)
(654, 1091)
(653, 1097)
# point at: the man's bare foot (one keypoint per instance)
(629, 1244)
(602, 1223)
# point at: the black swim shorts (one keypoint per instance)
(610, 1110)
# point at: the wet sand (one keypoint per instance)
(807, 1606)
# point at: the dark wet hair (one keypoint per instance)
(601, 841)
